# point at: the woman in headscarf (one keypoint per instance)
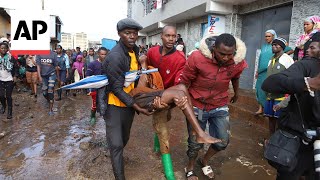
(265, 56)
(311, 31)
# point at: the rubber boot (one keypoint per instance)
(156, 143)
(9, 115)
(167, 166)
(4, 105)
(93, 118)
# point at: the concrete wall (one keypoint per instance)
(301, 10)
(172, 8)
(4, 27)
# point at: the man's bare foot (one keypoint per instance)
(206, 138)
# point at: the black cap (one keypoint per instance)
(128, 23)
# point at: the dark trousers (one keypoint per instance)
(118, 124)
(6, 88)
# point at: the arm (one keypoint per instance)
(180, 68)
(295, 54)
(67, 61)
(189, 72)
(114, 70)
(235, 85)
(314, 83)
(39, 68)
(288, 50)
(56, 65)
(289, 81)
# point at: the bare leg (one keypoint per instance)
(168, 97)
(34, 88)
(260, 110)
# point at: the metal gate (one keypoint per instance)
(253, 27)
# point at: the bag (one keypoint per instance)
(282, 150)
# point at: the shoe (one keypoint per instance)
(51, 113)
(207, 170)
(9, 115)
(190, 173)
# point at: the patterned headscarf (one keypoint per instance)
(315, 20)
(305, 37)
(273, 32)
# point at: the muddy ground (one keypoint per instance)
(64, 146)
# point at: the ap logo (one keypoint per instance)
(30, 30)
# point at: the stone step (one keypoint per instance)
(246, 97)
(245, 112)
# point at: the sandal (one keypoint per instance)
(207, 170)
(190, 173)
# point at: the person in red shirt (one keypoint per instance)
(207, 75)
(170, 63)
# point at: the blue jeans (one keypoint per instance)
(48, 83)
(219, 127)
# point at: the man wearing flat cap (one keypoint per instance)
(279, 62)
(121, 107)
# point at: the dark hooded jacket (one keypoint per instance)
(291, 81)
(116, 64)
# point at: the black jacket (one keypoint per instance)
(116, 64)
(291, 81)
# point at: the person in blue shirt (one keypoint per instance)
(48, 72)
(63, 66)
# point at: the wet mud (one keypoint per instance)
(64, 146)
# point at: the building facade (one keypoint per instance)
(66, 40)
(55, 31)
(246, 19)
(80, 40)
(5, 23)
(94, 44)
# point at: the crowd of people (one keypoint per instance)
(197, 83)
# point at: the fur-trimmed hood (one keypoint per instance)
(240, 52)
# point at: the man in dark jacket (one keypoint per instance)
(303, 79)
(121, 107)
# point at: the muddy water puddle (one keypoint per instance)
(64, 146)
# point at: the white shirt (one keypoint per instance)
(4, 74)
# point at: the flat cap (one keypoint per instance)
(128, 23)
